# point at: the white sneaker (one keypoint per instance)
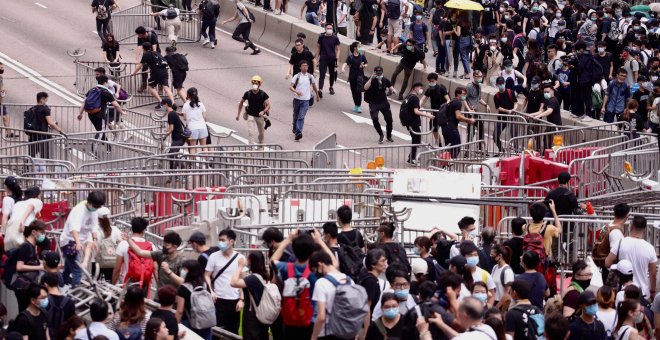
(212, 46)
(586, 118)
(574, 116)
(206, 42)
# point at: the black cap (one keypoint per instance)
(170, 49)
(499, 80)
(457, 261)
(508, 62)
(10, 180)
(587, 298)
(536, 80)
(52, 259)
(197, 237)
(166, 101)
(378, 69)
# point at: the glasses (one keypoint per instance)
(400, 285)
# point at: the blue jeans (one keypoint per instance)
(609, 116)
(72, 268)
(312, 18)
(210, 26)
(300, 108)
(204, 333)
(464, 51)
(448, 49)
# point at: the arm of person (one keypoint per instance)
(116, 271)
(367, 84)
(320, 320)
(137, 250)
(178, 280)
(138, 67)
(460, 117)
(337, 51)
(319, 240)
(22, 267)
(302, 10)
(652, 278)
(234, 17)
(524, 25)
(240, 107)
(180, 305)
(605, 99)
(117, 107)
(424, 100)
(438, 322)
(28, 211)
(236, 280)
(277, 255)
(266, 107)
(421, 113)
(543, 112)
(289, 71)
(457, 30)
(553, 210)
(316, 92)
(207, 279)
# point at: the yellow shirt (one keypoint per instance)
(550, 232)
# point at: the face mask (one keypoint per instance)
(410, 48)
(601, 50)
(557, 15)
(494, 259)
(223, 245)
(420, 92)
(654, 78)
(501, 87)
(472, 261)
(636, 28)
(255, 86)
(535, 87)
(483, 297)
(361, 50)
(401, 294)
(328, 32)
(535, 9)
(183, 273)
(416, 251)
(43, 303)
(391, 313)
(503, 40)
(433, 84)
(507, 17)
(605, 15)
(560, 64)
(463, 98)
(493, 48)
(478, 80)
(41, 238)
(379, 77)
(594, 19)
(509, 68)
(547, 95)
(591, 310)
(418, 17)
(584, 284)
(638, 318)
(473, 233)
(501, 9)
(91, 209)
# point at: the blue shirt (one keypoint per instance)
(419, 32)
(299, 269)
(617, 96)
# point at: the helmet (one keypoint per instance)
(257, 78)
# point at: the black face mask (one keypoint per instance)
(584, 284)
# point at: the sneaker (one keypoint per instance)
(215, 41)
(268, 10)
(332, 91)
(320, 94)
(389, 139)
(355, 109)
(574, 116)
(212, 46)
(586, 118)
(174, 44)
(298, 136)
(158, 107)
(411, 161)
(206, 42)
(359, 110)
(380, 140)
(255, 52)
(400, 96)
(293, 130)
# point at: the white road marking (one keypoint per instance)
(364, 120)
(40, 5)
(95, 32)
(224, 130)
(351, 151)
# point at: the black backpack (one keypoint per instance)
(351, 259)
(405, 112)
(393, 9)
(208, 9)
(171, 13)
(31, 120)
(158, 60)
(396, 255)
(250, 15)
(55, 314)
(180, 62)
(442, 251)
(441, 117)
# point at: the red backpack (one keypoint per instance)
(297, 310)
(140, 269)
(534, 242)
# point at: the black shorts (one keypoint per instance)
(177, 79)
(4, 111)
(158, 77)
(433, 124)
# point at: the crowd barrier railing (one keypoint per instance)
(125, 21)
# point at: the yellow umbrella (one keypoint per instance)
(465, 5)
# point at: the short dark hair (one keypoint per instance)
(172, 238)
(459, 90)
(556, 326)
(426, 290)
(521, 287)
(331, 229)
(229, 233)
(417, 84)
(465, 222)
(166, 295)
(302, 62)
(424, 242)
(100, 70)
(303, 246)
(372, 257)
(621, 210)
(34, 290)
(564, 177)
(396, 270)
(344, 214)
(517, 225)
(36, 225)
(449, 280)
(530, 259)
(301, 35)
(96, 198)
(320, 256)
(432, 76)
(580, 45)
(98, 310)
(299, 40)
(102, 79)
(139, 224)
(537, 211)
(140, 30)
(41, 95)
(552, 47)
(639, 222)
(50, 279)
(622, 70)
(387, 228)
(272, 234)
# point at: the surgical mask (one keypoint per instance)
(501, 87)
(391, 313)
(43, 303)
(560, 64)
(420, 92)
(493, 48)
(473, 234)
(479, 80)
(418, 17)
(503, 40)
(379, 77)
(594, 18)
(328, 32)
(91, 209)
(223, 245)
(255, 86)
(547, 95)
(636, 28)
(601, 50)
(41, 238)
(401, 294)
(472, 261)
(410, 48)
(591, 310)
(509, 68)
(584, 284)
(483, 297)
(638, 318)
(605, 15)
(507, 17)
(501, 9)
(535, 86)
(433, 84)
(557, 15)
(183, 273)
(361, 50)
(535, 9)
(463, 98)
(654, 78)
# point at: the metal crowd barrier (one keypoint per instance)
(125, 21)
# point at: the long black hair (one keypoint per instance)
(195, 274)
(193, 97)
(258, 264)
(12, 184)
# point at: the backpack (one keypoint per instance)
(102, 12)
(105, 256)
(442, 251)
(32, 121)
(250, 16)
(348, 310)
(601, 246)
(594, 70)
(140, 269)
(158, 60)
(208, 9)
(270, 305)
(93, 100)
(441, 117)
(311, 83)
(180, 62)
(435, 268)
(534, 242)
(351, 259)
(504, 269)
(202, 309)
(535, 322)
(171, 13)
(297, 307)
(405, 112)
(393, 9)
(397, 256)
(130, 332)
(55, 314)
(615, 32)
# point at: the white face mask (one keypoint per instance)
(255, 86)
(328, 32)
(493, 48)
(420, 92)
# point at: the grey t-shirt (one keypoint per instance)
(240, 8)
(473, 95)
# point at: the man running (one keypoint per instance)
(242, 31)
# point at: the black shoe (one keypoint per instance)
(400, 96)
(215, 42)
(320, 94)
(293, 130)
(255, 52)
(247, 45)
(380, 140)
(389, 139)
(332, 91)
(298, 136)
(158, 107)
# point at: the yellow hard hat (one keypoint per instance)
(257, 78)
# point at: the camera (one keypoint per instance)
(489, 53)
(570, 59)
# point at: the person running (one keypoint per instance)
(242, 31)
(103, 10)
(375, 93)
(411, 56)
(327, 54)
(256, 110)
(178, 63)
(209, 11)
(158, 72)
(357, 62)
(97, 115)
(144, 35)
(172, 17)
(196, 116)
(302, 85)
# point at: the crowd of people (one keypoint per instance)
(334, 282)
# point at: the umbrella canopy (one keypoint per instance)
(465, 5)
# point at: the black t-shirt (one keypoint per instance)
(413, 103)
(68, 310)
(296, 58)
(437, 95)
(99, 4)
(151, 38)
(488, 15)
(255, 288)
(312, 7)
(328, 44)
(581, 330)
(256, 102)
(106, 98)
(505, 100)
(604, 62)
(41, 111)
(354, 69)
(373, 333)
(411, 58)
(28, 254)
(203, 258)
(537, 287)
(555, 116)
(170, 321)
(34, 327)
(565, 200)
(377, 91)
(448, 27)
(367, 12)
(534, 100)
(516, 245)
(351, 238)
(152, 59)
(453, 106)
(635, 121)
(111, 50)
(371, 286)
(642, 98)
(174, 120)
(516, 320)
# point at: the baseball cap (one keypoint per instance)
(624, 267)
(499, 80)
(536, 80)
(197, 237)
(419, 266)
(52, 259)
(587, 298)
(10, 179)
(457, 261)
(103, 212)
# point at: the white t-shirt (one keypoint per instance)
(620, 295)
(96, 329)
(342, 10)
(163, 13)
(480, 332)
(608, 318)
(480, 275)
(83, 221)
(497, 276)
(7, 205)
(404, 306)
(22, 206)
(623, 333)
(324, 291)
(304, 85)
(195, 116)
(640, 253)
(221, 285)
(465, 292)
(615, 236)
(122, 250)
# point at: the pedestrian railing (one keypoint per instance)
(125, 21)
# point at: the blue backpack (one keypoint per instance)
(131, 332)
(93, 100)
(535, 321)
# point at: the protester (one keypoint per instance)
(356, 62)
(195, 115)
(303, 86)
(132, 317)
(258, 106)
(242, 31)
(376, 90)
(370, 278)
(193, 279)
(23, 214)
